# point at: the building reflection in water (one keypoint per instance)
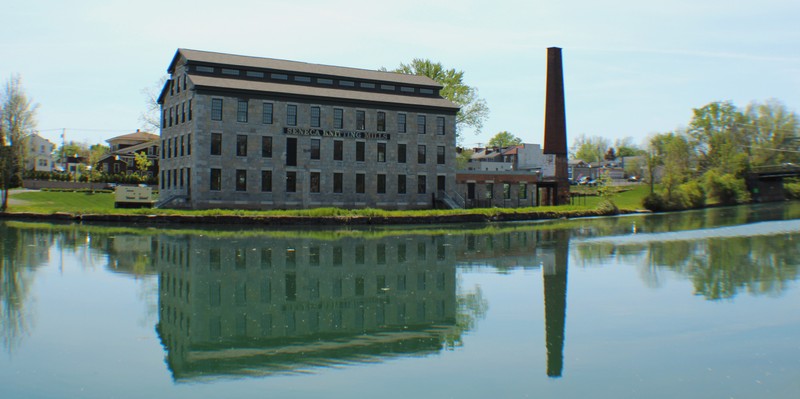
(260, 306)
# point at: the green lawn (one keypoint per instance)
(48, 202)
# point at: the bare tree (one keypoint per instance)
(151, 116)
(17, 121)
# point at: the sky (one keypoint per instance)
(631, 68)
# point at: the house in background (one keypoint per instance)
(122, 158)
(40, 154)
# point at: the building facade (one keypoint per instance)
(40, 154)
(259, 133)
(123, 150)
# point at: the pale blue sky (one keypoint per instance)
(631, 68)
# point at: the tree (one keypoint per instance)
(673, 151)
(462, 158)
(504, 139)
(151, 116)
(474, 110)
(719, 137)
(626, 148)
(589, 149)
(17, 121)
(142, 163)
(610, 155)
(771, 130)
(96, 153)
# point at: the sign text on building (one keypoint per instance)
(298, 131)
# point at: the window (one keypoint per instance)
(360, 183)
(421, 124)
(314, 148)
(314, 182)
(304, 79)
(189, 144)
(366, 85)
(202, 68)
(381, 184)
(267, 114)
(381, 152)
(241, 180)
(170, 116)
(291, 182)
(338, 150)
(440, 125)
(291, 115)
(506, 191)
(190, 109)
(323, 81)
(227, 71)
(440, 155)
(422, 184)
(489, 191)
(266, 181)
(381, 121)
(360, 151)
(401, 123)
(406, 89)
(425, 91)
(523, 191)
(346, 83)
(279, 76)
(337, 182)
(254, 74)
(266, 146)
(183, 146)
(314, 116)
(241, 111)
(401, 184)
(216, 179)
(241, 145)
(361, 120)
(183, 112)
(421, 153)
(216, 109)
(338, 118)
(216, 143)
(401, 153)
(164, 119)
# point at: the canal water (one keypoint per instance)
(701, 304)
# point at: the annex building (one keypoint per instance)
(261, 133)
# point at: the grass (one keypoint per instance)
(49, 202)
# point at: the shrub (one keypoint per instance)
(727, 189)
(654, 202)
(690, 195)
(792, 190)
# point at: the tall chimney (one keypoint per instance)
(555, 124)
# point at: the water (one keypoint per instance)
(696, 304)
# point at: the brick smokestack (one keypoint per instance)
(555, 126)
(555, 118)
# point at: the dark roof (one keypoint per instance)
(319, 92)
(207, 57)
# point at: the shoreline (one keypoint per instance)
(308, 220)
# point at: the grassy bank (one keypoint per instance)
(83, 203)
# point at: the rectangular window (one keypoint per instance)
(422, 184)
(183, 112)
(164, 119)
(401, 184)
(291, 151)
(338, 151)
(401, 123)
(170, 116)
(440, 125)
(183, 146)
(241, 111)
(421, 124)
(360, 151)
(315, 116)
(267, 114)
(421, 150)
(523, 191)
(266, 181)
(489, 191)
(216, 109)
(381, 121)
(361, 120)
(291, 182)
(314, 148)
(216, 179)
(241, 145)
(216, 143)
(381, 152)
(291, 115)
(337, 182)
(266, 146)
(189, 144)
(360, 183)
(241, 180)
(401, 153)
(338, 118)
(381, 184)
(190, 109)
(506, 191)
(314, 182)
(440, 155)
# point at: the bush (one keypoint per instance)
(654, 202)
(690, 196)
(792, 190)
(727, 189)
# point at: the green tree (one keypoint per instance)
(589, 149)
(462, 158)
(626, 148)
(719, 137)
(474, 110)
(17, 121)
(772, 130)
(673, 152)
(504, 139)
(142, 163)
(96, 153)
